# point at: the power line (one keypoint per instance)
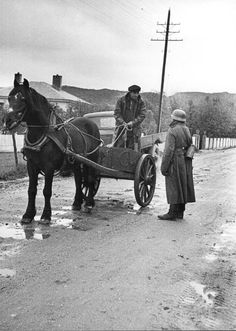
(101, 15)
(132, 11)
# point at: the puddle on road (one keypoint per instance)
(65, 222)
(211, 257)
(7, 272)
(59, 212)
(22, 231)
(35, 230)
(60, 218)
(66, 208)
(229, 233)
(207, 295)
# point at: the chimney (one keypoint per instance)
(18, 77)
(56, 81)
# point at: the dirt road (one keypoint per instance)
(120, 268)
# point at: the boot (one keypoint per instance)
(167, 217)
(180, 211)
(171, 215)
(180, 215)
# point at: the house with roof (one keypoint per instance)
(53, 93)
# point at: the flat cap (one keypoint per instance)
(134, 88)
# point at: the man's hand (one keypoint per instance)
(130, 124)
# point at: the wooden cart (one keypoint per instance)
(125, 163)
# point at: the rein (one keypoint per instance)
(122, 132)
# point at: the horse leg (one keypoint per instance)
(90, 178)
(32, 191)
(78, 199)
(47, 192)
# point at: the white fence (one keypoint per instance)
(6, 142)
(214, 143)
(219, 143)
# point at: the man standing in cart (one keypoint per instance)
(130, 111)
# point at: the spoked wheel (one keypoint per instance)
(85, 188)
(154, 152)
(145, 180)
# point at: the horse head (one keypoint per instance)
(26, 105)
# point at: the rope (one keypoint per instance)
(123, 131)
(95, 149)
(85, 133)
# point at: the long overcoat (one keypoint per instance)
(127, 110)
(176, 168)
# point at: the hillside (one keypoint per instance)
(181, 99)
(106, 96)
(199, 98)
(99, 97)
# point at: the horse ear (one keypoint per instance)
(16, 83)
(26, 83)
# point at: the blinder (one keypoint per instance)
(17, 110)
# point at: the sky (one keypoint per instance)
(107, 43)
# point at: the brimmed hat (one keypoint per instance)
(179, 115)
(134, 88)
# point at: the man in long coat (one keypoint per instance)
(177, 168)
(130, 111)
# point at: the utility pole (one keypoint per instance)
(166, 31)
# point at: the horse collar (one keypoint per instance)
(37, 145)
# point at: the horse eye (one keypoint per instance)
(19, 96)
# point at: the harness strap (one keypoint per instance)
(57, 142)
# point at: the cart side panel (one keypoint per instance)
(150, 140)
(123, 159)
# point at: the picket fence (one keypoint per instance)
(214, 143)
(6, 142)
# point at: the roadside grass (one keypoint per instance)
(8, 169)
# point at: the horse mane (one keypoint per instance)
(40, 105)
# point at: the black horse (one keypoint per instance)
(46, 141)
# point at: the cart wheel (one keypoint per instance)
(145, 180)
(154, 152)
(85, 188)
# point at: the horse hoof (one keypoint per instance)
(76, 207)
(44, 221)
(88, 209)
(26, 220)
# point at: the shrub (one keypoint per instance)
(8, 169)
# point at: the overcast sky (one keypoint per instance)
(107, 43)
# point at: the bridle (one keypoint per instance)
(22, 110)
